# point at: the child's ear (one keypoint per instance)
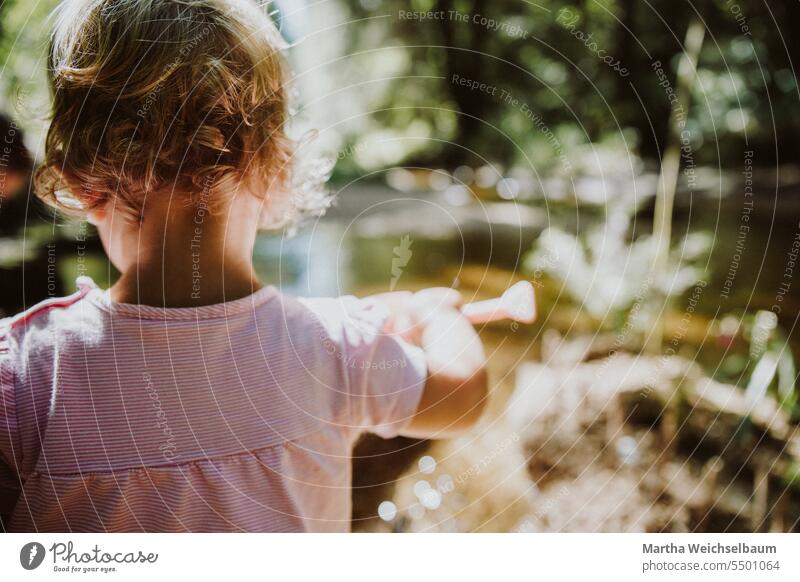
(97, 215)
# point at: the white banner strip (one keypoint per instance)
(401, 557)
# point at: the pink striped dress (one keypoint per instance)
(239, 416)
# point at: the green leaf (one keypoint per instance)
(761, 378)
(787, 373)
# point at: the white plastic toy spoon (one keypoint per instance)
(517, 304)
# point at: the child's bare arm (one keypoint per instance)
(456, 388)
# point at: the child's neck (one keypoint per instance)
(181, 263)
(165, 286)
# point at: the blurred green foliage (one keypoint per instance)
(565, 61)
(23, 72)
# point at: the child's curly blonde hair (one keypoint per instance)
(154, 95)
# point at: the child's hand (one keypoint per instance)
(456, 388)
(411, 312)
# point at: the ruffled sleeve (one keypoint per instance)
(385, 374)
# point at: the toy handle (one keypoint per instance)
(518, 303)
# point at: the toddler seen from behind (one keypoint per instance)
(190, 396)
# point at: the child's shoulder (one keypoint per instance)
(37, 317)
(28, 345)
